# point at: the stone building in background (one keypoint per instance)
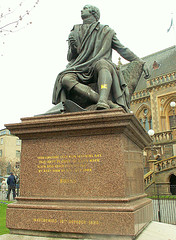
(10, 151)
(151, 101)
(151, 105)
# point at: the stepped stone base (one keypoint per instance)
(155, 230)
(81, 176)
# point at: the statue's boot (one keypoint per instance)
(86, 92)
(113, 105)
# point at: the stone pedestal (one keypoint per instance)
(81, 176)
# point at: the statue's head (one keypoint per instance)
(91, 10)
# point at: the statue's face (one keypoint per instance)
(85, 12)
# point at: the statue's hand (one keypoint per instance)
(146, 71)
(72, 41)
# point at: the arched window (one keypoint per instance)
(143, 114)
(171, 119)
(166, 114)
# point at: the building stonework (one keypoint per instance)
(152, 97)
(151, 105)
(10, 152)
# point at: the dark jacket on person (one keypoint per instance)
(11, 181)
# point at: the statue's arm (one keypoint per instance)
(128, 54)
(70, 54)
(72, 47)
(123, 51)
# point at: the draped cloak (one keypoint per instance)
(96, 43)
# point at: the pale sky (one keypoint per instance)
(34, 56)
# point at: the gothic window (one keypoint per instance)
(166, 112)
(17, 165)
(172, 121)
(144, 116)
(147, 125)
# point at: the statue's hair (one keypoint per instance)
(95, 12)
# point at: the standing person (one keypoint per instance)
(158, 157)
(11, 181)
(17, 185)
(89, 56)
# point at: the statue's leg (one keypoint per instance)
(86, 92)
(71, 84)
(104, 85)
(103, 70)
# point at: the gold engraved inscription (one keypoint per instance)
(66, 221)
(65, 180)
(68, 163)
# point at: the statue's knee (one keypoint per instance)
(102, 64)
(101, 61)
(69, 81)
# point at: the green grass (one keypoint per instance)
(163, 197)
(3, 207)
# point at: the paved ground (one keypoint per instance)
(158, 231)
(154, 231)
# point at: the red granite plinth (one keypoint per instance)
(81, 174)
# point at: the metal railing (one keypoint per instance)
(164, 206)
(164, 210)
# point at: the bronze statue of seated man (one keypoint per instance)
(90, 64)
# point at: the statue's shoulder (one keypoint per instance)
(105, 28)
(76, 27)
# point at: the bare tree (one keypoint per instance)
(14, 16)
